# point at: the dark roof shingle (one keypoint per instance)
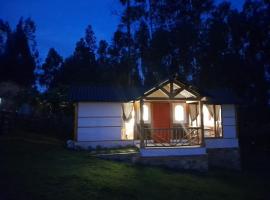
(102, 93)
(125, 94)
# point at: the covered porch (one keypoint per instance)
(169, 116)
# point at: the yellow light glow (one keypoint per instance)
(208, 120)
(179, 113)
(129, 127)
(145, 113)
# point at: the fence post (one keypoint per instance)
(202, 124)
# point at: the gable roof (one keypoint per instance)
(173, 89)
(125, 94)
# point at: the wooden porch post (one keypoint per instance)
(202, 125)
(215, 121)
(141, 125)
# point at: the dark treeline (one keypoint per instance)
(208, 45)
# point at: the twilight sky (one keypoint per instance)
(61, 23)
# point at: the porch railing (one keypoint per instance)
(170, 137)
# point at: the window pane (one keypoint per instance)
(208, 120)
(212, 120)
(218, 121)
(145, 113)
(179, 113)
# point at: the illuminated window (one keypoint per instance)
(179, 114)
(212, 120)
(145, 113)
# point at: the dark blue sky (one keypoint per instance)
(60, 23)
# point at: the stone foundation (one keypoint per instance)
(196, 163)
(226, 158)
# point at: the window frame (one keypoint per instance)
(149, 113)
(216, 135)
(185, 113)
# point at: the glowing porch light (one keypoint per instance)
(179, 113)
(145, 113)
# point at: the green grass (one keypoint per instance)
(38, 167)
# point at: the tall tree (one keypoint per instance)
(50, 68)
(19, 59)
(81, 67)
(90, 39)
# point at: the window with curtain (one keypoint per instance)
(212, 120)
(128, 116)
(145, 113)
(194, 114)
(179, 113)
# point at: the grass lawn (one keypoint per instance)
(38, 167)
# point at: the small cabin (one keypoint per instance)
(171, 119)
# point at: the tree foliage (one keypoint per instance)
(207, 44)
(18, 52)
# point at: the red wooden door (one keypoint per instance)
(161, 120)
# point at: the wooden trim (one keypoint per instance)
(177, 92)
(165, 91)
(155, 88)
(163, 98)
(202, 124)
(75, 134)
(171, 94)
(222, 121)
(236, 121)
(142, 125)
(215, 121)
(187, 87)
(171, 89)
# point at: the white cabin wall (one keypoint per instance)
(99, 121)
(228, 115)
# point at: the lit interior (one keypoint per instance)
(129, 128)
(145, 113)
(179, 115)
(208, 120)
(193, 123)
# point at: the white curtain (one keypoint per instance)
(193, 111)
(218, 108)
(210, 109)
(127, 109)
